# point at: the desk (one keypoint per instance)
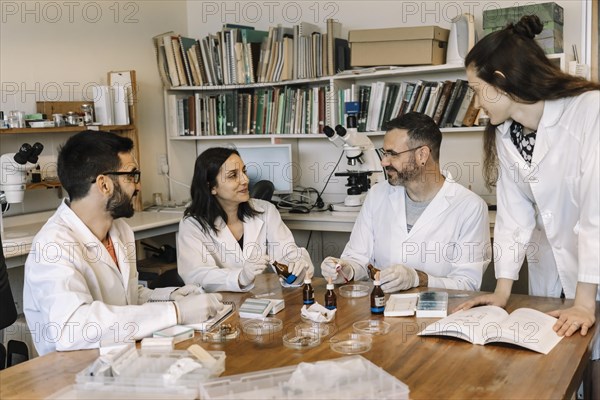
(330, 221)
(20, 230)
(432, 367)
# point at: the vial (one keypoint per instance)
(308, 294)
(282, 271)
(377, 297)
(330, 298)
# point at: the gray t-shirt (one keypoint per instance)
(414, 209)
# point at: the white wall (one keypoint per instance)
(59, 47)
(53, 50)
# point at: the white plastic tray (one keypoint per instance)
(368, 381)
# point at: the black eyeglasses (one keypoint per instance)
(134, 175)
(392, 154)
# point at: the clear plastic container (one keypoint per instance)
(356, 378)
(301, 339)
(221, 333)
(371, 327)
(144, 371)
(263, 331)
(353, 291)
(321, 329)
(351, 343)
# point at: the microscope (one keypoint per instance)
(362, 159)
(13, 175)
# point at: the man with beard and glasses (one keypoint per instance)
(81, 283)
(420, 228)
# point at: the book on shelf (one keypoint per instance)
(170, 56)
(334, 31)
(458, 92)
(524, 327)
(443, 101)
(341, 55)
(161, 57)
(179, 61)
(186, 44)
(471, 114)
(464, 106)
(301, 30)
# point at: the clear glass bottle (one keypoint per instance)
(377, 297)
(88, 114)
(308, 293)
(282, 271)
(330, 297)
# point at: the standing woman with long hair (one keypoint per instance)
(226, 238)
(541, 150)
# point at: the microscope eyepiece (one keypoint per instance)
(340, 130)
(328, 131)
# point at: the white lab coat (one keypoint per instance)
(549, 211)
(450, 241)
(75, 296)
(215, 261)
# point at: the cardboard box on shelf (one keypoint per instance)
(422, 45)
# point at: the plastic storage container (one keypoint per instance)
(144, 370)
(352, 377)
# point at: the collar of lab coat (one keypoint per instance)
(553, 111)
(252, 228)
(438, 204)
(91, 242)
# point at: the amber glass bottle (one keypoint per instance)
(330, 298)
(282, 271)
(308, 294)
(377, 297)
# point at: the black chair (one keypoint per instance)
(9, 312)
(167, 279)
(262, 190)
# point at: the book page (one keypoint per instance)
(470, 325)
(527, 328)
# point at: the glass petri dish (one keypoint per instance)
(371, 327)
(265, 326)
(317, 328)
(352, 291)
(221, 333)
(301, 339)
(351, 343)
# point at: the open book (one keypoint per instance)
(221, 316)
(524, 327)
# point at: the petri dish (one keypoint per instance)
(371, 327)
(317, 328)
(301, 339)
(352, 291)
(265, 326)
(351, 343)
(221, 333)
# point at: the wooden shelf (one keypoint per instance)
(472, 129)
(43, 185)
(66, 129)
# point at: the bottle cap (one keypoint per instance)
(330, 286)
(376, 283)
(307, 280)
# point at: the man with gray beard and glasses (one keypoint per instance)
(420, 228)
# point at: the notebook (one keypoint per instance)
(220, 317)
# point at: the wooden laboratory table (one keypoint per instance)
(432, 367)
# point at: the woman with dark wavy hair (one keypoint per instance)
(541, 150)
(225, 237)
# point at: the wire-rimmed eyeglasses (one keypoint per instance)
(134, 175)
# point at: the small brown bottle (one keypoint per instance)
(372, 271)
(377, 297)
(308, 294)
(330, 298)
(282, 271)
